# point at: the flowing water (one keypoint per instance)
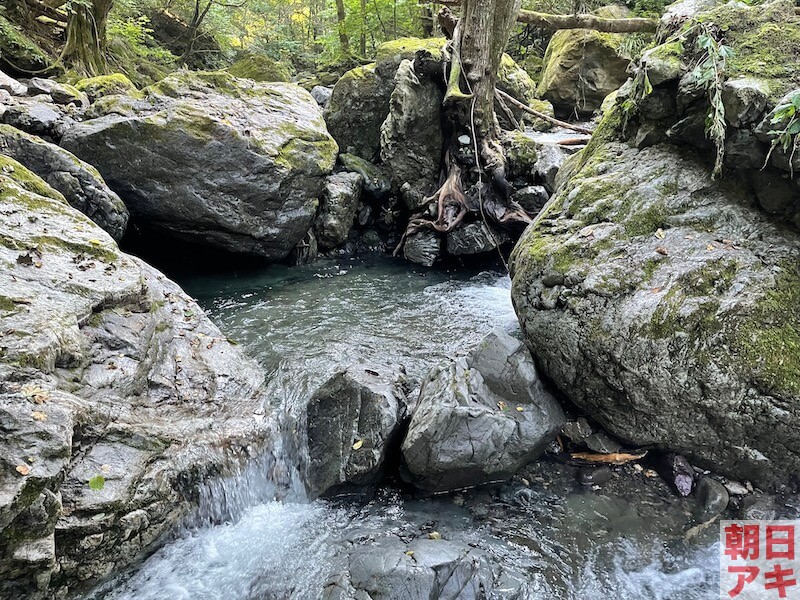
(551, 539)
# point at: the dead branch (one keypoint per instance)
(541, 115)
(581, 21)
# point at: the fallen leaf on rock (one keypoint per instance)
(410, 553)
(23, 469)
(435, 535)
(95, 242)
(358, 444)
(660, 233)
(655, 290)
(105, 468)
(662, 250)
(520, 409)
(616, 458)
(711, 247)
(39, 416)
(97, 483)
(35, 394)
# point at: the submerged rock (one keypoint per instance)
(79, 182)
(117, 397)
(422, 569)
(423, 248)
(354, 421)
(219, 161)
(479, 418)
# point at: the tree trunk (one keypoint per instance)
(343, 40)
(86, 37)
(475, 186)
(363, 41)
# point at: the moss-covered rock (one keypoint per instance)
(676, 306)
(106, 85)
(221, 161)
(19, 53)
(89, 331)
(358, 107)
(581, 67)
(259, 67)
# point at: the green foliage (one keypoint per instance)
(97, 483)
(787, 120)
(709, 73)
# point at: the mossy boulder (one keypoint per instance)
(358, 107)
(19, 54)
(79, 182)
(581, 67)
(89, 331)
(106, 85)
(675, 304)
(220, 161)
(259, 67)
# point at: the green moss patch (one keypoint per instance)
(106, 85)
(259, 68)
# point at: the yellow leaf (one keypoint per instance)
(410, 553)
(23, 469)
(520, 409)
(711, 247)
(660, 233)
(358, 444)
(95, 242)
(435, 535)
(39, 415)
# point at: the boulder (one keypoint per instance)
(744, 100)
(118, 397)
(39, 117)
(79, 182)
(61, 93)
(106, 85)
(219, 161)
(479, 419)
(259, 67)
(19, 53)
(322, 95)
(360, 101)
(377, 183)
(581, 67)
(358, 107)
(12, 86)
(354, 421)
(411, 136)
(423, 248)
(675, 303)
(390, 569)
(338, 209)
(531, 198)
(474, 238)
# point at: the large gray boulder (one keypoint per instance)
(109, 374)
(353, 420)
(215, 160)
(79, 182)
(40, 117)
(338, 209)
(411, 135)
(667, 306)
(480, 418)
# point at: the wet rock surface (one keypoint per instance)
(220, 161)
(354, 420)
(79, 182)
(480, 418)
(640, 273)
(109, 374)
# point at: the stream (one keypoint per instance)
(546, 537)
